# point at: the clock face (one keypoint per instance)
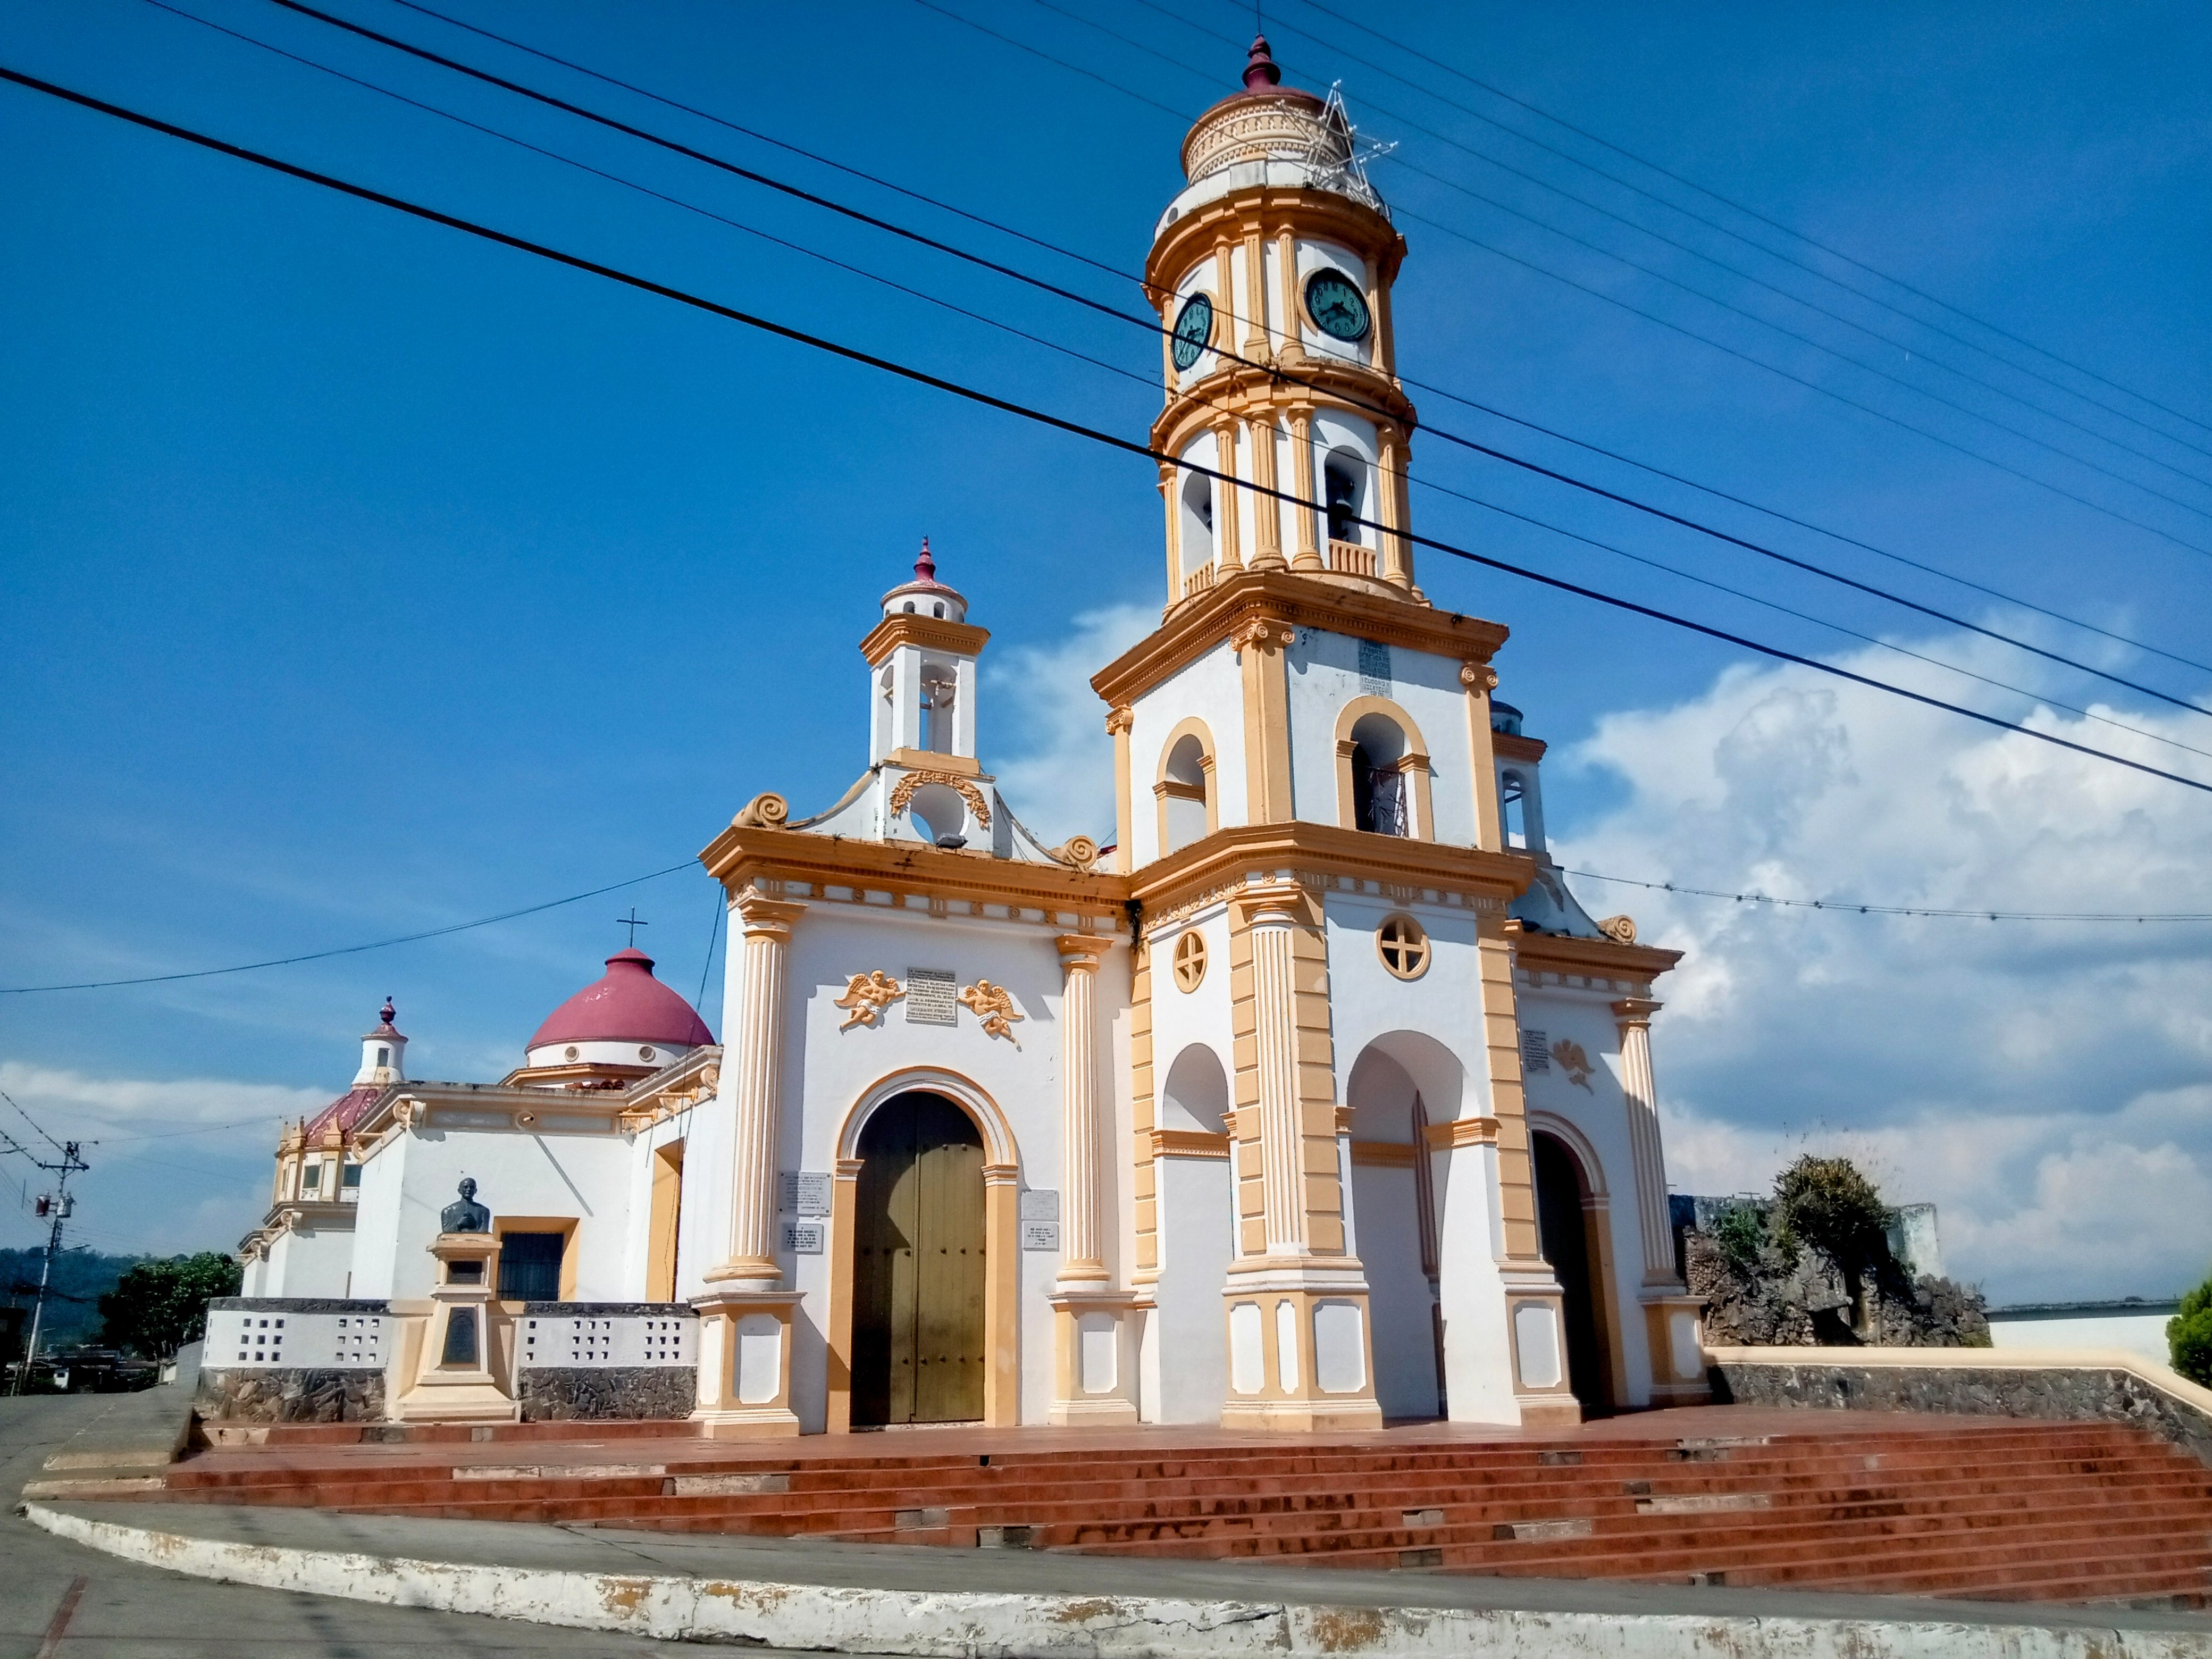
(1336, 305)
(1194, 330)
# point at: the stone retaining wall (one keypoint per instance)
(269, 1393)
(562, 1393)
(2089, 1392)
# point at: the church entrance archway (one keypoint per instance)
(919, 1273)
(1563, 1222)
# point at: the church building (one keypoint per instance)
(1315, 1100)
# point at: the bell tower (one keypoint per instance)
(1273, 269)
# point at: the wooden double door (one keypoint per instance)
(918, 1268)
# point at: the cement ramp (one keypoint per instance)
(936, 1603)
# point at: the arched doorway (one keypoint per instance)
(1562, 1224)
(918, 1266)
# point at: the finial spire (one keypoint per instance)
(1260, 71)
(925, 568)
(388, 1013)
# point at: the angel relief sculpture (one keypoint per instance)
(1574, 1060)
(995, 1006)
(868, 995)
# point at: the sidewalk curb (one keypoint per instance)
(979, 1625)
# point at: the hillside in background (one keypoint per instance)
(81, 1278)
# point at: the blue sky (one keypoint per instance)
(361, 578)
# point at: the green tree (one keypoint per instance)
(2188, 1336)
(159, 1306)
(1826, 1203)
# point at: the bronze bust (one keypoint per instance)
(467, 1216)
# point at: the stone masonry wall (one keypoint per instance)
(2087, 1393)
(561, 1393)
(275, 1395)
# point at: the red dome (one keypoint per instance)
(628, 1006)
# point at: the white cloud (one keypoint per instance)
(2044, 1083)
(1059, 781)
(67, 1103)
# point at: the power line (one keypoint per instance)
(343, 950)
(1850, 906)
(33, 1121)
(1696, 253)
(1633, 310)
(1754, 213)
(990, 400)
(1151, 323)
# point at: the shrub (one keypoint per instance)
(2188, 1336)
(1740, 1232)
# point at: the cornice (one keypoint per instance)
(961, 639)
(1506, 746)
(1197, 624)
(747, 854)
(1316, 849)
(1238, 391)
(1560, 953)
(1264, 207)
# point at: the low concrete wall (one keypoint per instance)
(2066, 1385)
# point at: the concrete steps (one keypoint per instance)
(1996, 1509)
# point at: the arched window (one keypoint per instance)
(1184, 790)
(1197, 520)
(1378, 779)
(1512, 807)
(1341, 479)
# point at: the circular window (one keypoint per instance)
(1336, 305)
(647, 1054)
(1194, 330)
(1403, 947)
(569, 1053)
(1190, 960)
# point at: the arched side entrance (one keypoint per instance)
(1570, 1222)
(918, 1266)
(884, 1171)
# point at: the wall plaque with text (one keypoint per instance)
(930, 997)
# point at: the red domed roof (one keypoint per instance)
(628, 1006)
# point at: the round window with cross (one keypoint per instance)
(1403, 946)
(1190, 960)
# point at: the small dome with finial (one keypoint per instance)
(926, 596)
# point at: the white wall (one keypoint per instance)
(2141, 1334)
(309, 1260)
(1324, 676)
(1211, 689)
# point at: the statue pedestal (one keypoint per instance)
(467, 1347)
(745, 1364)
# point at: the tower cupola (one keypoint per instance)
(383, 1052)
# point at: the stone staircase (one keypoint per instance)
(1957, 1507)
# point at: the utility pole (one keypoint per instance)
(59, 1205)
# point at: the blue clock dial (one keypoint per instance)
(1336, 306)
(1194, 330)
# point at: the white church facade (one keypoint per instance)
(1315, 1100)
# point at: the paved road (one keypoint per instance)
(133, 1613)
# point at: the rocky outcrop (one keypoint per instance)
(1764, 1292)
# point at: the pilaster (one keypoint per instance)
(755, 1079)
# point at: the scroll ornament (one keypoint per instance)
(767, 811)
(995, 1006)
(1261, 631)
(902, 793)
(868, 995)
(1619, 929)
(1081, 851)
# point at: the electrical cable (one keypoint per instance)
(1696, 253)
(1473, 240)
(1908, 317)
(1073, 254)
(1152, 325)
(342, 951)
(1848, 906)
(33, 1122)
(1754, 213)
(1008, 406)
(1149, 384)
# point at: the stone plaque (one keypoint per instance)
(1375, 668)
(1040, 1206)
(1536, 1056)
(803, 1238)
(1039, 1235)
(930, 998)
(802, 1191)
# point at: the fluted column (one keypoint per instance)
(1633, 1017)
(1082, 1222)
(756, 1079)
(1226, 551)
(1267, 510)
(1308, 556)
(1282, 1152)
